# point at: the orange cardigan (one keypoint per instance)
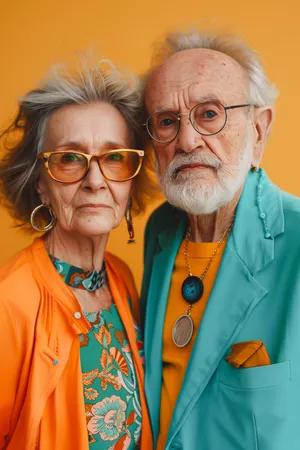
(41, 400)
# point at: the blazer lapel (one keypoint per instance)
(169, 243)
(234, 296)
(236, 291)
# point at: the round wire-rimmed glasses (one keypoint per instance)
(207, 118)
(70, 166)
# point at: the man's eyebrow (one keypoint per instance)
(210, 98)
(163, 109)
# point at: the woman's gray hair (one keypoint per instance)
(24, 138)
(262, 92)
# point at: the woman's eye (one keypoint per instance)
(115, 157)
(69, 157)
(210, 114)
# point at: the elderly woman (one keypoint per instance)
(70, 347)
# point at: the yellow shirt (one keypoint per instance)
(175, 359)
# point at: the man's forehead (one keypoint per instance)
(190, 67)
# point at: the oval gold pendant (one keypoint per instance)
(182, 331)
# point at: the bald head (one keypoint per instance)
(189, 76)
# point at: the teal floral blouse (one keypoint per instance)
(110, 388)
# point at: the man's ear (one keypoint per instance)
(263, 118)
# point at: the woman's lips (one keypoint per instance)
(93, 207)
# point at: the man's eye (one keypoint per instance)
(166, 122)
(210, 114)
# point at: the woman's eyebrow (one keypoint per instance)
(76, 145)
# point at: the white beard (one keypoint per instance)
(186, 191)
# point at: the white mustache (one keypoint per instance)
(193, 158)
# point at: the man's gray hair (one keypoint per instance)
(262, 92)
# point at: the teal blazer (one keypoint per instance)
(256, 296)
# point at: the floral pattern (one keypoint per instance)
(108, 418)
(80, 278)
(110, 388)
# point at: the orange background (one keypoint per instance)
(37, 33)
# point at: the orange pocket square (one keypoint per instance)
(248, 354)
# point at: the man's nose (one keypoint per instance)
(188, 138)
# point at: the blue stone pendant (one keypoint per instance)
(192, 289)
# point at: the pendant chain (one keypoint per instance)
(183, 328)
(212, 258)
(214, 253)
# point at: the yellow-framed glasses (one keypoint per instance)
(70, 166)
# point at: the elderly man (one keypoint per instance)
(221, 290)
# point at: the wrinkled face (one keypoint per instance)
(202, 173)
(94, 205)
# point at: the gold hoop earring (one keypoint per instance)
(254, 168)
(49, 225)
(129, 222)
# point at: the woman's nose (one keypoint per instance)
(94, 179)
